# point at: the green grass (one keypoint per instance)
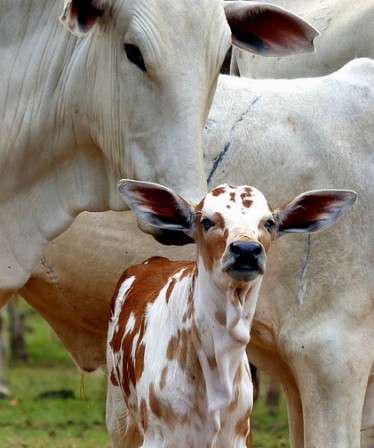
(269, 431)
(27, 421)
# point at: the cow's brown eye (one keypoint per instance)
(134, 55)
(207, 223)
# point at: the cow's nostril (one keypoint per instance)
(246, 249)
(247, 255)
(257, 250)
(236, 249)
(246, 260)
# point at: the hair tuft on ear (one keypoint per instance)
(80, 16)
(314, 210)
(159, 209)
(268, 30)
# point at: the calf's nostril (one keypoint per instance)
(247, 260)
(243, 249)
(257, 249)
(236, 249)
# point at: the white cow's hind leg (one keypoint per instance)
(332, 375)
(4, 345)
(295, 418)
(367, 424)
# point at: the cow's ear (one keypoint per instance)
(157, 205)
(79, 16)
(268, 30)
(313, 211)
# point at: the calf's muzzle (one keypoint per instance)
(245, 260)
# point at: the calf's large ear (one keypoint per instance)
(268, 30)
(313, 211)
(79, 16)
(157, 205)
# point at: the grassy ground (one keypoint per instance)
(269, 431)
(28, 420)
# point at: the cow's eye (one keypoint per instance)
(134, 55)
(269, 224)
(207, 223)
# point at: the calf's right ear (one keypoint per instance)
(157, 205)
(313, 211)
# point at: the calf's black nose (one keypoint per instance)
(247, 255)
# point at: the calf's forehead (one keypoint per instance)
(241, 206)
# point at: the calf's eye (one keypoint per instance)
(269, 224)
(207, 223)
(134, 55)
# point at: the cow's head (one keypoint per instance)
(234, 226)
(151, 71)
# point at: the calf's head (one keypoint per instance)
(234, 226)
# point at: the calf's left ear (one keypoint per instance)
(79, 16)
(313, 211)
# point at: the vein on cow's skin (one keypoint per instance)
(217, 160)
(302, 272)
(51, 274)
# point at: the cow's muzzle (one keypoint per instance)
(244, 260)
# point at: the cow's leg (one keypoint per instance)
(123, 431)
(295, 418)
(17, 330)
(367, 423)
(332, 415)
(271, 362)
(4, 391)
(331, 371)
(116, 420)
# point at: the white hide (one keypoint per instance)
(314, 322)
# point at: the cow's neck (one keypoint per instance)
(222, 319)
(47, 209)
(46, 118)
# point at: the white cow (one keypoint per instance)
(316, 314)
(128, 97)
(313, 328)
(347, 32)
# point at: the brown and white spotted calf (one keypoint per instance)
(179, 375)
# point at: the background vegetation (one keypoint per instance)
(37, 417)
